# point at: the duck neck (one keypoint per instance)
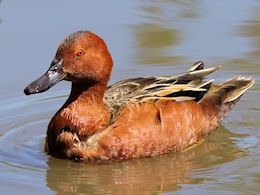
(90, 92)
(84, 111)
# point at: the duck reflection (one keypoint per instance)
(154, 175)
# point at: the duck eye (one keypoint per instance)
(79, 52)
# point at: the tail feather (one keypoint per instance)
(221, 98)
(236, 88)
(231, 90)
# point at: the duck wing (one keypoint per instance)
(187, 86)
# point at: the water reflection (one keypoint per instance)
(152, 43)
(252, 30)
(159, 33)
(165, 12)
(144, 176)
(249, 29)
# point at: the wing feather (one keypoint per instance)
(187, 86)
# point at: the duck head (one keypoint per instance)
(82, 57)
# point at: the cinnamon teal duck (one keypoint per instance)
(137, 117)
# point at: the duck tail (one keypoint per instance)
(221, 98)
(231, 90)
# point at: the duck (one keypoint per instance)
(133, 118)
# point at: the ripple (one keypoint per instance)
(23, 127)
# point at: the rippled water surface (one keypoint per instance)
(150, 37)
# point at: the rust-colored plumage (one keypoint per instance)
(132, 118)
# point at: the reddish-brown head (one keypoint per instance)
(85, 56)
(81, 57)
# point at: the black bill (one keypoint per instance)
(47, 80)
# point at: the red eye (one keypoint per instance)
(79, 52)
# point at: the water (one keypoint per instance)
(145, 38)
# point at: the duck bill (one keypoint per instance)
(47, 80)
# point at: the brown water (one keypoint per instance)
(150, 37)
